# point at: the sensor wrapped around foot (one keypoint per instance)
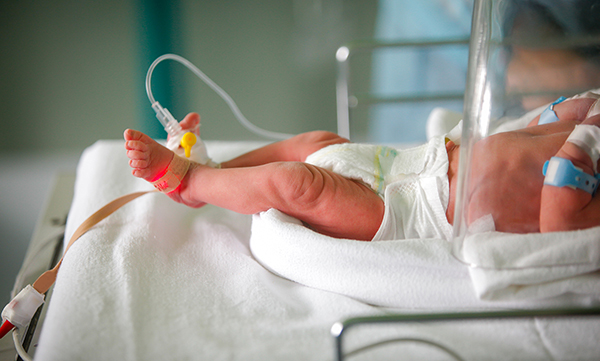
(172, 178)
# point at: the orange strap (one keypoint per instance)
(43, 283)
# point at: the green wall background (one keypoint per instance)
(73, 71)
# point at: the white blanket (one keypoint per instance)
(160, 281)
(535, 266)
(524, 270)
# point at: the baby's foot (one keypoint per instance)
(150, 162)
(148, 159)
(191, 123)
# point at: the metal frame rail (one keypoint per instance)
(339, 329)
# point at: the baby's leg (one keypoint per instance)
(564, 208)
(327, 202)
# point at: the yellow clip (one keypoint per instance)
(187, 142)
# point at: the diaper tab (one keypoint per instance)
(594, 109)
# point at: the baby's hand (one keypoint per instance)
(572, 109)
(565, 208)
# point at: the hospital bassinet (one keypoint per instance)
(158, 280)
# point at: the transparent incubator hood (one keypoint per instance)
(523, 56)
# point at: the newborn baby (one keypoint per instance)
(330, 184)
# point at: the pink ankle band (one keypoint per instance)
(176, 170)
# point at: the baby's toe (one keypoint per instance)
(138, 163)
(131, 134)
(143, 173)
(134, 135)
(136, 154)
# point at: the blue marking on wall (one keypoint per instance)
(160, 33)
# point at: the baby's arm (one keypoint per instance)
(294, 149)
(565, 208)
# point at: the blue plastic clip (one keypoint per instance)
(549, 115)
(561, 172)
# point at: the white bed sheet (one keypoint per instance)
(158, 280)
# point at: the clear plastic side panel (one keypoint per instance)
(387, 90)
(523, 56)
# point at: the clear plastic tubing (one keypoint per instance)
(172, 126)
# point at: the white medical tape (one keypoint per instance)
(594, 109)
(21, 309)
(587, 94)
(587, 138)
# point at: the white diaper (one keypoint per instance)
(413, 183)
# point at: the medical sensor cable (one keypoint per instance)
(20, 310)
(172, 126)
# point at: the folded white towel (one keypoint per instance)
(442, 121)
(535, 265)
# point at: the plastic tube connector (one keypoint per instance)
(167, 120)
(21, 309)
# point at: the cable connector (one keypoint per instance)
(167, 120)
(20, 310)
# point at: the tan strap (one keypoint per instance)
(43, 283)
(172, 178)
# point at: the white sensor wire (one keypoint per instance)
(234, 108)
(16, 333)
